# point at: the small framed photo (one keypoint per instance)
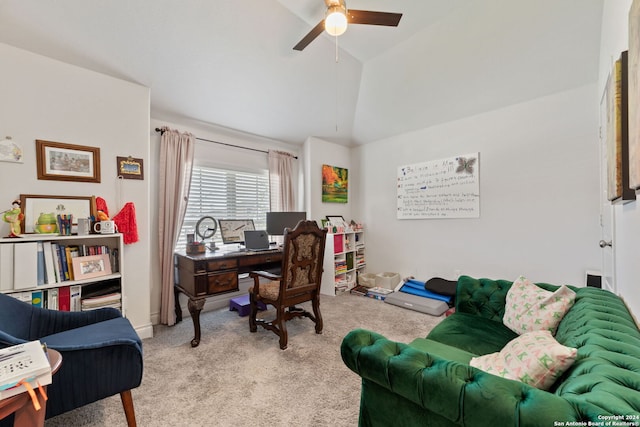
(337, 220)
(86, 267)
(130, 168)
(67, 162)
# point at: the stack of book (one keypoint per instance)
(378, 292)
(20, 364)
(375, 292)
(110, 300)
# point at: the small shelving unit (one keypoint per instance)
(20, 262)
(344, 259)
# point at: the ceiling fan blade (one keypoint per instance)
(373, 18)
(315, 32)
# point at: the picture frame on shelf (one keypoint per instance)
(88, 267)
(33, 205)
(130, 168)
(337, 221)
(59, 161)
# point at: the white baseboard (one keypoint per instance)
(145, 331)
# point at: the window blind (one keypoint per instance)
(225, 194)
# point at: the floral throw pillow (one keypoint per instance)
(531, 308)
(534, 358)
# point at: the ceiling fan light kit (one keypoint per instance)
(337, 17)
(335, 22)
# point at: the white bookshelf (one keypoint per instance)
(344, 259)
(13, 268)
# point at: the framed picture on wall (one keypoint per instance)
(616, 133)
(130, 168)
(634, 95)
(67, 162)
(335, 184)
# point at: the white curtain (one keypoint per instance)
(282, 169)
(176, 162)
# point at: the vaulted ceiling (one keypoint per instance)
(230, 62)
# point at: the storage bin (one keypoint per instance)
(367, 280)
(387, 280)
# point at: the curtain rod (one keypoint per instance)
(227, 144)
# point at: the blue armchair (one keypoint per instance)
(101, 352)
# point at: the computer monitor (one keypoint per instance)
(278, 221)
(232, 230)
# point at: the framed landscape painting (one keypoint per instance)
(634, 95)
(335, 184)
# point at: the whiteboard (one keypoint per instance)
(447, 188)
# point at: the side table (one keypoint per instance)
(21, 405)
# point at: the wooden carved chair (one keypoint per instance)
(298, 282)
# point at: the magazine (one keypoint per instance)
(20, 363)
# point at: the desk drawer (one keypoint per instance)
(260, 259)
(222, 282)
(222, 264)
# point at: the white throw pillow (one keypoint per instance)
(531, 308)
(534, 358)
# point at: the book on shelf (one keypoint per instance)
(25, 265)
(6, 266)
(57, 264)
(22, 363)
(52, 299)
(37, 299)
(24, 296)
(64, 270)
(50, 273)
(70, 253)
(75, 293)
(40, 264)
(64, 298)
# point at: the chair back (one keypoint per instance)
(303, 256)
(15, 321)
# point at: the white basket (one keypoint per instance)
(367, 280)
(387, 280)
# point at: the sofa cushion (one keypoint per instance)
(472, 333)
(531, 308)
(534, 358)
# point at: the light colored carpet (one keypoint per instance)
(236, 378)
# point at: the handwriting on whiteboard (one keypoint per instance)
(447, 188)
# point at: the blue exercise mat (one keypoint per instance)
(416, 287)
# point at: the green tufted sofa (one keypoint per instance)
(429, 382)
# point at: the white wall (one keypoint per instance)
(215, 155)
(46, 99)
(615, 39)
(538, 195)
(318, 152)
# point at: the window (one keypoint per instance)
(225, 194)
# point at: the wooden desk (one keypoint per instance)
(213, 273)
(21, 405)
